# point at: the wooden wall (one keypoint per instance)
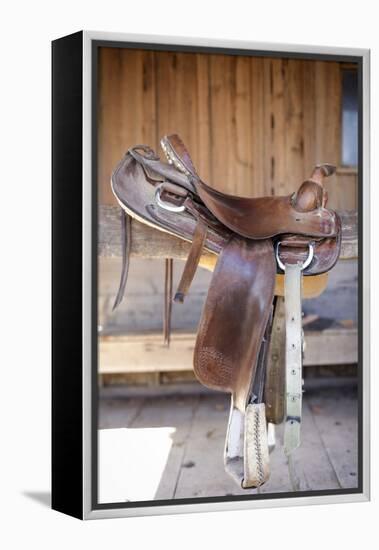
(254, 126)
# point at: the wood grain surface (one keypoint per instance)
(254, 126)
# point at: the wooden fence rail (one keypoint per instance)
(151, 243)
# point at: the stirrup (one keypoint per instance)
(246, 453)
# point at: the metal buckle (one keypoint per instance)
(311, 250)
(166, 205)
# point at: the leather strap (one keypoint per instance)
(192, 261)
(126, 228)
(294, 356)
(169, 264)
(294, 352)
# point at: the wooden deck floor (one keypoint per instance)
(172, 447)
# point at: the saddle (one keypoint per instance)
(245, 331)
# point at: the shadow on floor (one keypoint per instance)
(41, 497)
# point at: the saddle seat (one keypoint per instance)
(302, 213)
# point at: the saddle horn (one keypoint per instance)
(322, 171)
(312, 194)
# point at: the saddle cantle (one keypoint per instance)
(254, 239)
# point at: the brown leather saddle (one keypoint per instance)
(254, 239)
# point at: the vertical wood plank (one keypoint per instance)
(204, 127)
(237, 124)
(241, 144)
(294, 131)
(182, 102)
(267, 124)
(275, 125)
(343, 191)
(309, 121)
(328, 108)
(327, 116)
(259, 173)
(126, 111)
(221, 67)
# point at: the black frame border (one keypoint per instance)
(67, 271)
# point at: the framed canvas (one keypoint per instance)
(232, 177)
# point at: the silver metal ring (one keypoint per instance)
(311, 251)
(166, 205)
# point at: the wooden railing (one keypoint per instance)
(147, 242)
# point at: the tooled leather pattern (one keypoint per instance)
(221, 376)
